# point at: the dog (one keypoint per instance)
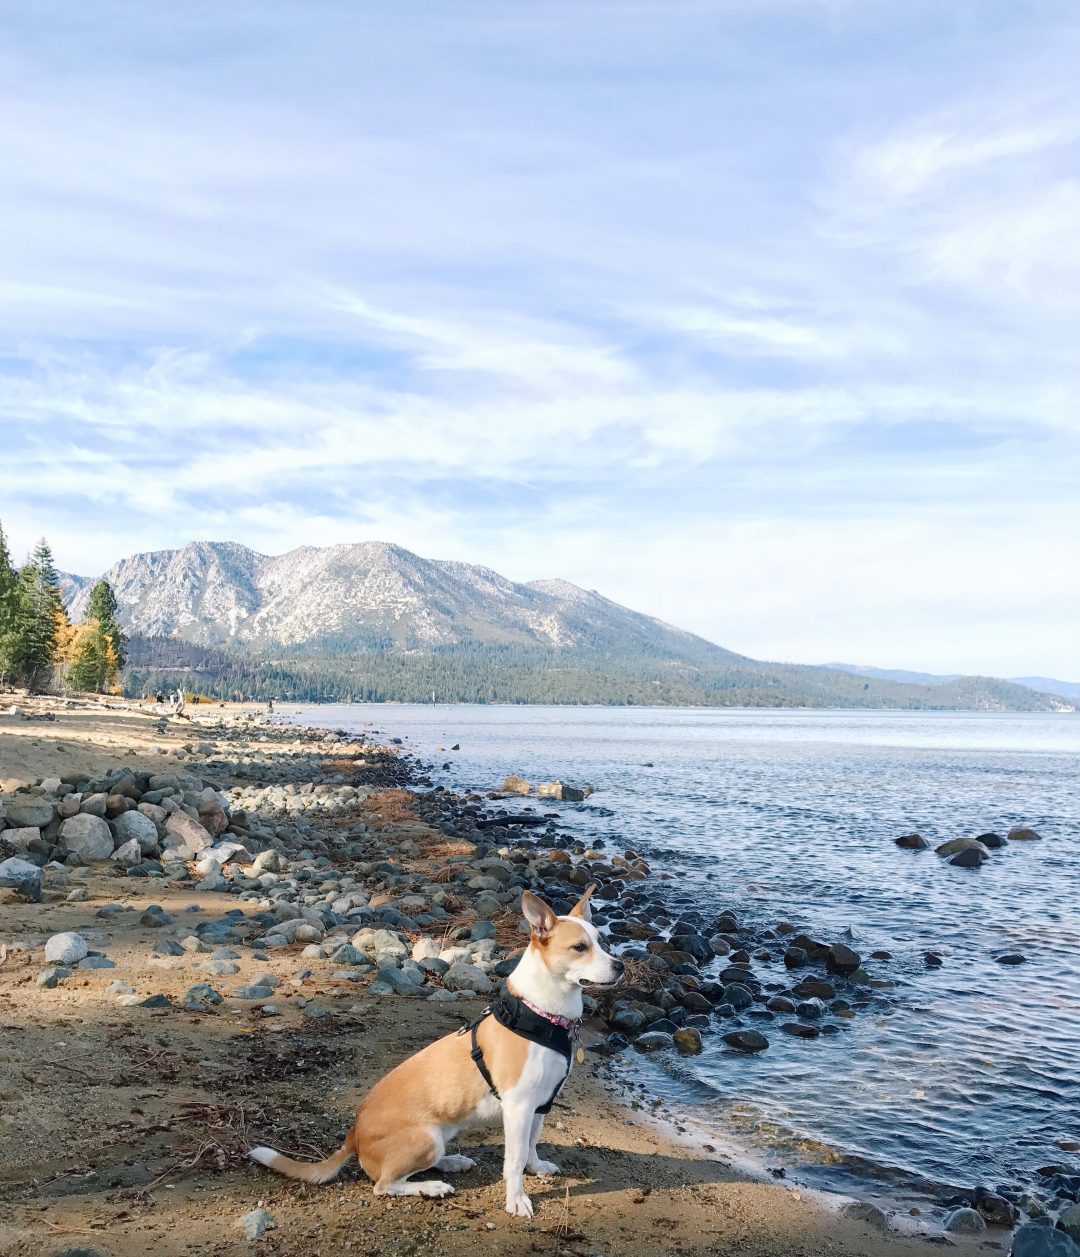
(512, 1061)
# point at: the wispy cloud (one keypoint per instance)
(760, 318)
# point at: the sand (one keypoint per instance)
(123, 1129)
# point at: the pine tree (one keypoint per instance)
(8, 583)
(102, 607)
(37, 622)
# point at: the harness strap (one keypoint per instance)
(520, 1019)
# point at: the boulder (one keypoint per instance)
(687, 1041)
(842, 959)
(1018, 833)
(66, 949)
(965, 1222)
(128, 854)
(867, 1213)
(993, 841)
(911, 842)
(28, 811)
(560, 790)
(22, 877)
(89, 837)
(139, 827)
(1069, 1222)
(462, 976)
(746, 1040)
(653, 1041)
(23, 836)
(955, 846)
(627, 1020)
(1033, 1240)
(185, 836)
(516, 785)
(968, 859)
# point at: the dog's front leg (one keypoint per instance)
(517, 1133)
(534, 1165)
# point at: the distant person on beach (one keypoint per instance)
(270, 706)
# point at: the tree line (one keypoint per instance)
(39, 646)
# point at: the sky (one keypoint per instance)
(761, 316)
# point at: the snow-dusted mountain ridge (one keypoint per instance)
(370, 594)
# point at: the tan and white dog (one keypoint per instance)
(408, 1118)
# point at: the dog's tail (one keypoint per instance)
(308, 1171)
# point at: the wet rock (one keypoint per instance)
(88, 837)
(66, 949)
(22, 877)
(1033, 1240)
(965, 1222)
(627, 1020)
(910, 842)
(746, 1040)
(994, 1208)
(932, 960)
(1069, 1222)
(1011, 958)
(968, 859)
(810, 988)
(863, 1211)
(737, 996)
(843, 960)
(956, 846)
(795, 957)
(687, 1040)
(799, 1030)
(1023, 833)
(992, 841)
(653, 1041)
(560, 790)
(780, 1004)
(515, 785)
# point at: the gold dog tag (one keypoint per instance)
(581, 1056)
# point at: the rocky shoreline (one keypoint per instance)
(345, 857)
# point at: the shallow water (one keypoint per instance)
(966, 1074)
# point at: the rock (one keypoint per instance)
(89, 837)
(1019, 833)
(253, 992)
(401, 984)
(267, 862)
(200, 996)
(129, 854)
(185, 836)
(1033, 1240)
(969, 859)
(50, 978)
(627, 1020)
(66, 949)
(995, 1209)
(965, 1222)
(653, 1041)
(462, 976)
(957, 846)
(799, 1030)
(1011, 958)
(94, 804)
(96, 961)
(137, 827)
(842, 959)
(22, 838)
(516, 785)
(910, 842)
(688, 1041)
(737, 995)
(28, 811)
(560, 790)
(255, 1223)
(1069, 1222)
(863, 1211)
(22, 877)
(992, 841)
(746, 1040)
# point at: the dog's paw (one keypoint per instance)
(455, 1164)
(543, 1167)
(519, 1206)
(435, 1189)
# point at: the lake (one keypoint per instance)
(965, 1074)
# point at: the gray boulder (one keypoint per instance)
(956, 846)
(465, 977)
(138, 827)
(1069, 1222)
(23, 836)
(868, 1214)
(965, 1222)
(1018, 833)
(560, 790)
(66, 949)
(1032, 1240)
(22, 877)
(185, 836)
(128, 854)
(89, 837)
(24, 811)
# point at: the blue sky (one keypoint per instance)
(762, 317)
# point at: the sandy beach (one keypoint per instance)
(125, 1127)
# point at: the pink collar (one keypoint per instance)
(565, 1022)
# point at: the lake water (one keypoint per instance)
(965, 1074)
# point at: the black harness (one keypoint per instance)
(518, 1017)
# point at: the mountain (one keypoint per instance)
(1043, 685)
(376, 621)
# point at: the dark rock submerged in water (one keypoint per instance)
(912, 842)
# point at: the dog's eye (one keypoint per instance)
(580, 947)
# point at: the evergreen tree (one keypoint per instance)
(102, 607)
(8, 582)
(38, 611)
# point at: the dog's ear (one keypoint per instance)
(540, 917)
(582, 908)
